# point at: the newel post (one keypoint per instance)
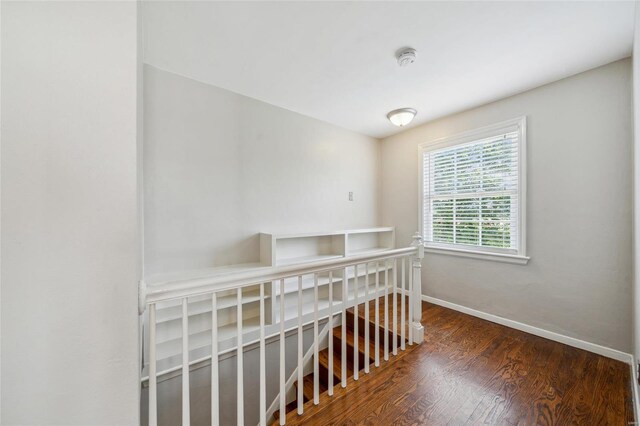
(416, 298)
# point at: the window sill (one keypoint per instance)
(497, 257)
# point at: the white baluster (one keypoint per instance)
(356, 354)
(316, 365)
(410, 303)
(366, 316)
(330, 335)
(300, 347)
(386, 310)
(186, 416)
(402, 311)
(215, 390)
(239, 361)
(263, 370)
(153, 395)
(283, 396)
(343, 359)
(395, 306)
(377, 316)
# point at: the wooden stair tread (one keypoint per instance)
(363, 323)
(351, 337)
(381, 311)
(307, 394)
(378, 376)
(323, 360)
(307, 387)
(288, 408)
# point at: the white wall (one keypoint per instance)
(220, 167)
(170, 390)
(578, 282)
(636, 189)
(70, 258)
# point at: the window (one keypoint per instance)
(473, 193)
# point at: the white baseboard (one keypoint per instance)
(571, 341)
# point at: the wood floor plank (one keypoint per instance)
(471, 371)
(430, 401)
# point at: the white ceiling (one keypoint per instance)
(335, 61)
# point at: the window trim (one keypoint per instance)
(501, 255)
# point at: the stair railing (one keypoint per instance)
(405, 280)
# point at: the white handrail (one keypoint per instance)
(178, 289)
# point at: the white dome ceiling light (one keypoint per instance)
(401, 117)
(406, 56)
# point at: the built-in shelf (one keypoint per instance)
(275, 250)
(286, 249)
(368, 250)
(202, 338)
(307, 259)
(159, 278)
(364, 241)
(202, 304)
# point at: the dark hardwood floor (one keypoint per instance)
(471, 371)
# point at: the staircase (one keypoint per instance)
(336, 335)
(327, 287)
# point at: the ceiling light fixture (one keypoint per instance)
(401, 117)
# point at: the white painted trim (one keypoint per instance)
(471, 135)
(634, 388)
(571, 341)
(330, 233)
(520, 125)
(498, 257)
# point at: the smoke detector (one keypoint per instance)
(406, 56)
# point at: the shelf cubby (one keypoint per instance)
(363, 241)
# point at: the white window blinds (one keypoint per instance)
(471, 194)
